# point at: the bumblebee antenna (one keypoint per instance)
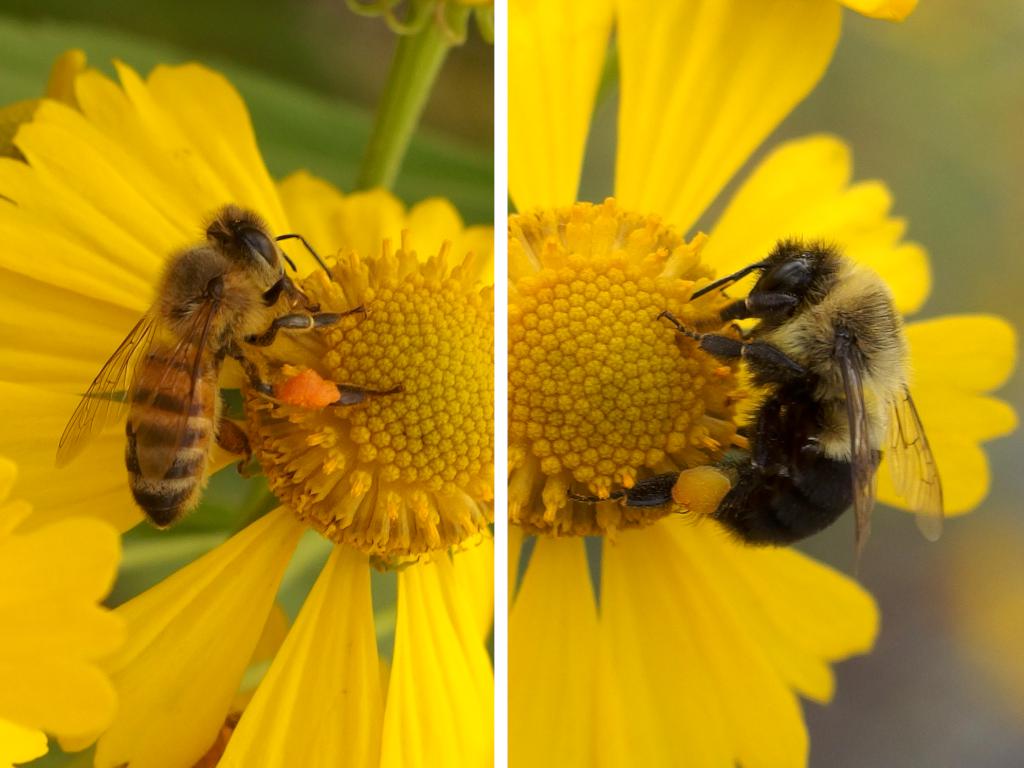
(614, 496)
(309, 248)
(729, 279)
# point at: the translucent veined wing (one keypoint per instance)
(106, 400)
(862, 458)
(174, 379)
(915, 474)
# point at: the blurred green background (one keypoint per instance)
(935, 108)
(310, 70)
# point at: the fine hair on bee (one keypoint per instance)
(829, 358)
(214, 299)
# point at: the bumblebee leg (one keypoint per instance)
(298, 322)
(771, 362)
(651, 492)
(350, 395)
(760, 305)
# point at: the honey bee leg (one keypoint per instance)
(349, 395)
(232, 438)
(252, 373)
(298, 322)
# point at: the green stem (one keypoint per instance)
(413, 70)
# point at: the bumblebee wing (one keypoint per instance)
(174, 380)
(106, 400)
(915, 474)
(862, 461)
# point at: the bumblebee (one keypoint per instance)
(829, 355)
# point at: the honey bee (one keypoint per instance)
(212, 300)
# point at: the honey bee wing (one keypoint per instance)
(915, 474)
(106, 400)
(186, 356)
(862, 460)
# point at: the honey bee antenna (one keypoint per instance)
(729, 279)
(291, 263)
(309, 248)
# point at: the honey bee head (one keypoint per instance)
(244, 238)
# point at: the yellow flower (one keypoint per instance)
(108, 191)
(54, 631)
(688, 649)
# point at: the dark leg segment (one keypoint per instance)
(298, 322)
(652, 492)
(251, 371)
(350, 395)
(768, 361)
(232, 438)
(760, 305)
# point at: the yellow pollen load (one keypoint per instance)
(601, 392)
(398, 474)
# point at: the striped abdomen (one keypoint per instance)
(168, 442)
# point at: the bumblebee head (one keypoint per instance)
(799, 269)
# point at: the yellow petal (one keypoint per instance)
(94, 484)
(54, 631)
(313, 208)
(66, 67)
(194, 97)
(552, 650)
(890, 10)
(975, 353)
(703, 83)
(364, 220)
(8, 474)
(54, 338)
(440, 699)
(668, 626)
(474, 572)
(430, 223)
(19, 744)
(12, 116)
(818, 610)
(802, 189)
(321, 702)
(556, 56)
(188, 641)
(71, 560)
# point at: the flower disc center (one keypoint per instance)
(602, 392)
(399, 473)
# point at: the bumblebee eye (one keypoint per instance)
(791, 277)
(260, 244)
